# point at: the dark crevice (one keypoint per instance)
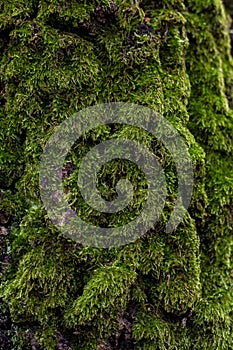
(5, 34)
(105, 16)
(132, 40)
(88, 30)
(2, 94)
(35, 10)
(229, 6)
(84, 30)
(231, 37)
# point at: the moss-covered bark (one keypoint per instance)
(165, 291)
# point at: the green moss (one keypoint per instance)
(164, 290)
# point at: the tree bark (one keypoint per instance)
(166, 290)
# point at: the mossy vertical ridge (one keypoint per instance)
(164, 291)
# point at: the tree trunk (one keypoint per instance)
(164, 290)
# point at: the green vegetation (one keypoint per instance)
(164, 291)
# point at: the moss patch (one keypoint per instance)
(165, 290)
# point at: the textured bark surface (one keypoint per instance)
(164, 291)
